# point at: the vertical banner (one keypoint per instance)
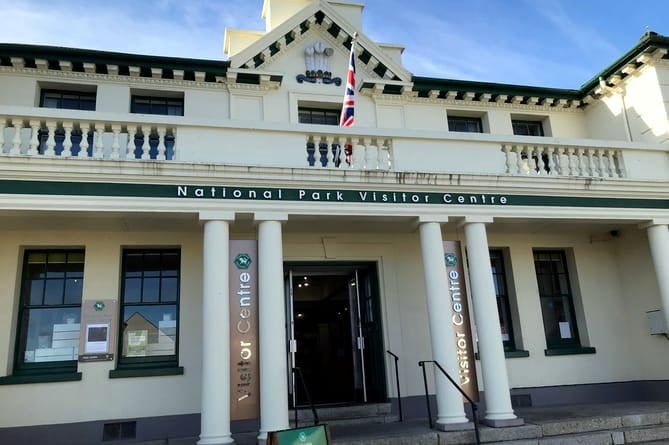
(244, 368)
(457, 293)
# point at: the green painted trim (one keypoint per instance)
(382, 197)
(112, 58)
(570, 351)
(40, 378)
(516, 353)
(431, 83)
(146, 372)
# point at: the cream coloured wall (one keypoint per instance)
(604, 119)
(113, 98)
(19, 91)
(646, 110)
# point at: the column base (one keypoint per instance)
(460, 426)
(503, 423)
(215, 440)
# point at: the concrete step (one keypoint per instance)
(333, 413)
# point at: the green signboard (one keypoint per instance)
(311, 435)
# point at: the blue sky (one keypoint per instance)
(552, 43)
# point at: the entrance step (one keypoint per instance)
(346, 415)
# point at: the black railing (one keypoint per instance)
(464, 394)
(397, 380)
(298, 372)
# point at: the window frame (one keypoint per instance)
(529, 122)
(336, 115)
(460, 119)
(131, 364)
(554, 343)
(83, 97)
(154, 104)
(20, 366)
(503, 298)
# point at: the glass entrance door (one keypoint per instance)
(329, 310)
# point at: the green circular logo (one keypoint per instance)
(303, 436)
(243, 261)
(451, 259)
(99, 305)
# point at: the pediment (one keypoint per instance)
(318, 32)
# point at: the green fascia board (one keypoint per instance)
(111, 58)
(432, 83)
(648, 43)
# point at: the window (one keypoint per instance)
(149, 308)
(323, 116)
(557, 306)
(527, 128)
(169, 106)
(502, 292)
(465, 124)
(71, 100)
(50, 312)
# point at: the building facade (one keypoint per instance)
(178, 235)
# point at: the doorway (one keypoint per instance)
(335, 334)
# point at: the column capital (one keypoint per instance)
(259, 217)
(476, 219)
(441, 219)
(215, 215)
(654, 222)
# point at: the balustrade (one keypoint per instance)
(360, 153)
(548, 160)
(78, 139)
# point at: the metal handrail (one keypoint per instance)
(298, 371)
(397, 380)
(464, 394)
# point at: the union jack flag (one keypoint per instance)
(348, 110)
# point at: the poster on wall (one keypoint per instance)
(97, 328)
(244, 367)
(457, 300)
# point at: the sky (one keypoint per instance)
(549, 43)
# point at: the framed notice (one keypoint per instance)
(312, 435)
(98, 330)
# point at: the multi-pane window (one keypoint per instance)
(527, 128)
(71, 100)
(465, 124)
(149, 307)
(502, 292)
(50, 311)
(323, 116)
(157, 105)
(557, 305)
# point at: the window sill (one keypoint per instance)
(570, 351)
(516, 353)
(145, 372)
(40, 378)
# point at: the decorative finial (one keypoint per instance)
(355, 35)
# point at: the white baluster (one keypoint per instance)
(34, 138)
(593, 168)
(552, 168)
(384, 155)
(509, 160)
(130, 149)
(16, 141)
(538, 161)
(145, 144)
(83, 145)
(603, 171)
(371, 155)
(116, 145)
(161, 143)
(312, 142)
(99, 152)
(358, 155)
(174, 144)
(329, 156)
(3, 124)
(67, 142)
(51, 139)
(583, 169)
(612, 164)
(518, 149)
(572, 166)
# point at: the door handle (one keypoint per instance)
(292, 345)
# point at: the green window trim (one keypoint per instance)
(570, 351)
(515, 353)
(155, 371)
(20, 379)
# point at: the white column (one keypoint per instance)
(491, 349)
(272, 320)
(658, 237)
(450, 407)
(215, 415)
